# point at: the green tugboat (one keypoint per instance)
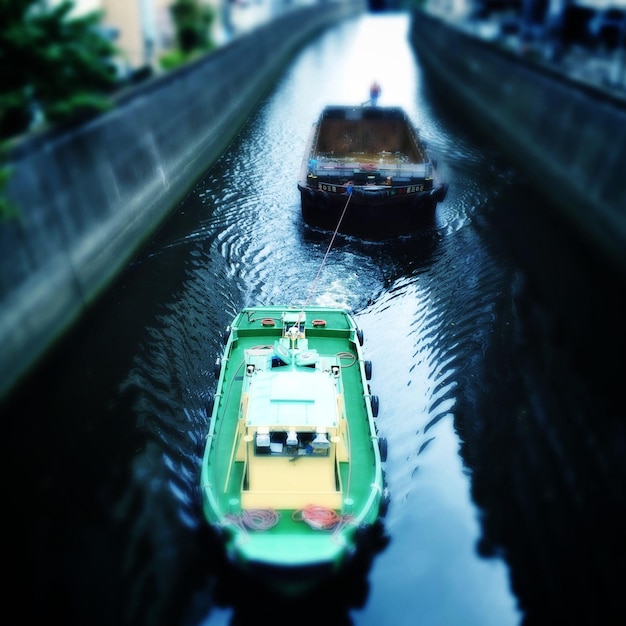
(292, 475)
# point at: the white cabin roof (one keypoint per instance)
(296, 398)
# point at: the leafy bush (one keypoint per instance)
(7, 210)
(54, 66)
(193, 22)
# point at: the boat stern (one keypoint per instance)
(293, 565)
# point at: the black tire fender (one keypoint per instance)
(308, 197)
(384, 503)
(382, 446)
(322, 200)
(368, 370)
(375, 405)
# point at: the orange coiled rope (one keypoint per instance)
(318, 517)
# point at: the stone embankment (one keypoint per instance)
(568, 135)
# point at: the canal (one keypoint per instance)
(497, 346)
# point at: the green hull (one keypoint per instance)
(292, 474)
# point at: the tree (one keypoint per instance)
(193, 22)
(54, 67)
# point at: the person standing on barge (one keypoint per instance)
(374, 93)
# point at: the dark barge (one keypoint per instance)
(366, 172)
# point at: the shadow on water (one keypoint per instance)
(542, 426)
(250, 601)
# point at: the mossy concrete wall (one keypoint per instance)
(90, 198)
(567, 136)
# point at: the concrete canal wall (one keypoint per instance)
(567, 136)
(90, 198)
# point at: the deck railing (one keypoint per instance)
(323, 167)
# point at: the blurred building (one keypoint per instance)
(593, 23)
(144, 29)
(141, 29)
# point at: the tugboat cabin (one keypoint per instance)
(292, 432)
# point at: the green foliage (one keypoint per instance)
(173, 59)
(7, 210)
(193, 22)
(54, 66)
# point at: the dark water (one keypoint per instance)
(497, 341)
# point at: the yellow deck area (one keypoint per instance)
(303, 480)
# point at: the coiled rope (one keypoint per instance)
(254, 519)
(347, 356)
(317, 517)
